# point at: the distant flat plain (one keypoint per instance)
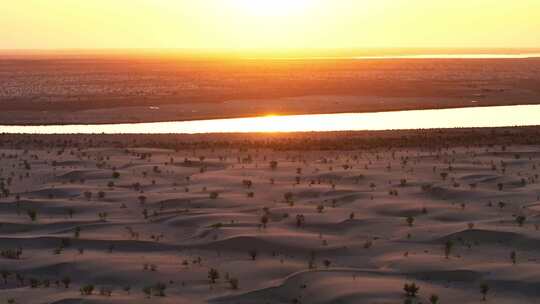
(118, 89)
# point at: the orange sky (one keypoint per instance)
(269, 24)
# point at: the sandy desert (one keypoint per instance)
(450, 215)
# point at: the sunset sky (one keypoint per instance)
(268, 24)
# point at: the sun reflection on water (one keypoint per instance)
(502, 116)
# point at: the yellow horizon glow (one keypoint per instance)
(269, 24)
(274, 8)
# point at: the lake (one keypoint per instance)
(471, 117)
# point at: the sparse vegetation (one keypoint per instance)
(411, 290)
(320, 209)
(213, 275)
(484, 289)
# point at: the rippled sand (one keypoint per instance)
(340, 236)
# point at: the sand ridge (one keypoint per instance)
(220, 223)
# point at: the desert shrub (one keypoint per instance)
(213, 275)
(87, 290)
(411, 290)
(13, 254)
(233, 282)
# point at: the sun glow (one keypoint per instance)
(269, 24)
(502, 116)
(272, 8)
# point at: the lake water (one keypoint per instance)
(502, 116)
(415, 56)
(456, 56)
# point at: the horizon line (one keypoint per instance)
(281, 54)
(232, 49)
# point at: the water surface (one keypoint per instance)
(456, 56)
(472, 117)
(415, 56)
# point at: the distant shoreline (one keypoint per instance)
(128, 90)
(283, 54)
(135, 115)
(118, 121)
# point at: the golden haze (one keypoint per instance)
(264, 25)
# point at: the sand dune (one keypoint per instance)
(349, 226)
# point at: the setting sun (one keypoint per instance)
(275, 8)
(269, 151)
